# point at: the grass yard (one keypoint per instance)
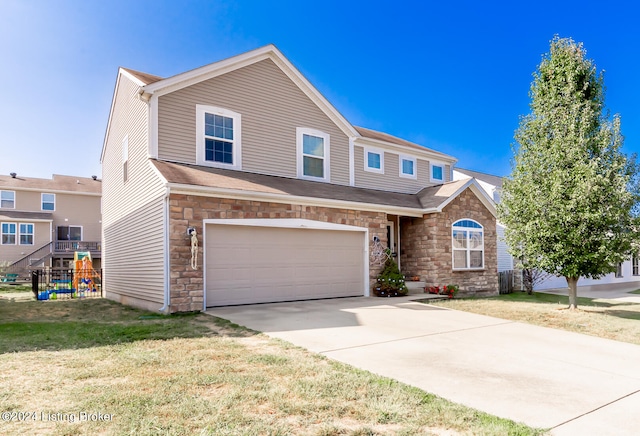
(196, 374)
(609, 319)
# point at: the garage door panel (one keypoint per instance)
(246, 264)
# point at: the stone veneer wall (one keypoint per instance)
(426, 247)
(187, 285)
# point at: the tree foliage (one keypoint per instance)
(568, 204)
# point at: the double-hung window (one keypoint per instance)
(374, 160)
(26, 234)
(313, 154)
(408, 167)
(48, 201)
(634, 266)
(8, 233)
(8, 199)
(437, 172)
(218, 137)
(468, 244)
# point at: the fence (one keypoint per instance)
(54, 284)
(505, 280)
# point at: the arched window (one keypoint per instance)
(468, 244)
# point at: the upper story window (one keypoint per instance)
(374, 160)
(408, 167)
(468, 244)
(48, 201)
(313, 154)
(437, 172)
(26, 234)
(8, 233)
(218, 137)
(8, 199)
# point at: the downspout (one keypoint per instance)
(167, 266)
(352, 175)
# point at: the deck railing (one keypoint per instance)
(67, 246)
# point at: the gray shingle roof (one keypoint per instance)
(57, 183)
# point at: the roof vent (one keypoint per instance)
(94, 177)
(13, 175)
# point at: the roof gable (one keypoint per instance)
(215, 69)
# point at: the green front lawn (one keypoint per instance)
(611, 319)
(196, 374)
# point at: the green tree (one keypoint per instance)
(568, 205)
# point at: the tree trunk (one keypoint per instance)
(573, 292)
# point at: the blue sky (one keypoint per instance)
(452, 76)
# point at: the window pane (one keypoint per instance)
(75, 233)
(313, 166)
(436, 172)
(373, 160)
(475, 239)
(407, 166)
(7, 199)
(26, 239)
(218, 126)
(475, 259)
(218, 151)
(312, 145)
(459, 239)
(8, 239)
(459, 259)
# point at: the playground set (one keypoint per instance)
(80, 282)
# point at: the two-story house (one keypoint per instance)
(238, 182)
(44, 221)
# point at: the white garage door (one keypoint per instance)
(256, 264)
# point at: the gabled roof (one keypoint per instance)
(192, 178)
(270, 51)
(144, 78)
(438, 197)
(58, 183)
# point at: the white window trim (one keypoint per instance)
(378, 151)
(14, 199)
(14, 234)
(414, 176)
(201, 110)
(437, 164)
(42, 202)
(33, 233)
(468, 249)
(300, 131)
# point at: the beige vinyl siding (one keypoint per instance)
(133, 254)
(390, 180)
(79, 210)
(41, 237)
(132, 212)
(271, 107)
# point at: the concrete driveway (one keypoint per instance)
(571, 383)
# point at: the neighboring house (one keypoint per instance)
(44, 221)
(628, 271)
(287, 199)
